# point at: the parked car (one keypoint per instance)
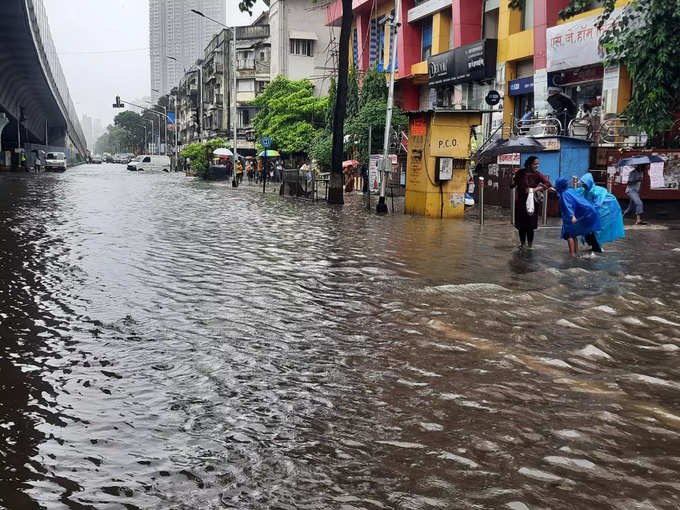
(55, 162)
(97, 159)
(150, 163)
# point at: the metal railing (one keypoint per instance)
(616, 131)
(538, 126)
(581, 128)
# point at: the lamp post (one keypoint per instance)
(165, 111)
(120, 103)
(175, 123)
(381, 208)
(234, 183)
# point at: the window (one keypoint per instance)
(301, 47)
(528, 15)
(262, 55)
(146, 160)
(426, 48)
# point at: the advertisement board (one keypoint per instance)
(469, 63)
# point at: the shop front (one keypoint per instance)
(440, 139)
(575, 67)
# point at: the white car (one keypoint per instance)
(55, 162)
(150, 163)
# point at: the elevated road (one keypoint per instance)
(34, 96)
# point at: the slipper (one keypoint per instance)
(641, 223)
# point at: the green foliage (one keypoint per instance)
(374, 87)
(578, 7)
(353, 99)
(320, 150)
(646, 40)
(115, 139)
(372, 114)
(201, 154)
(291, 115)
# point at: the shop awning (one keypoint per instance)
(297, 34)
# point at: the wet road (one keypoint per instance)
(170, 343)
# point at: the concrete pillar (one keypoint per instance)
(441, 29)
(467, 21)
(408, 41)
(363, 26)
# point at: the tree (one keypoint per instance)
(290, 114)
(374, 86)
(646, 40)
(372, 114)
(353, 98)
(200, 154)
(133, 124)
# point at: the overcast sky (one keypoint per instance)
(103, 46)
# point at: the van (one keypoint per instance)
(150, 163)
(55, 162)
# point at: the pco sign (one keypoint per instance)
(266, 142)
(492, 98)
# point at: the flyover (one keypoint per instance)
(35, 103)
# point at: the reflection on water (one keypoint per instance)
(169, 343)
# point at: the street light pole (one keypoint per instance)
(381, 208)
(234, 183)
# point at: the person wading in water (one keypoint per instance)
(524, 181)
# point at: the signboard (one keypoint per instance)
(266, 142)
(521, 86)
(171, 117)
(576, 44)
(374, 173)
(509, 159)
(445, 169)
(492, 98)
(472, 62)
(418, 125)
(656, 179)
(550, 144)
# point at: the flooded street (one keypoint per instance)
(169, 343)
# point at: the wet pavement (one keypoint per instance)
(169, 343)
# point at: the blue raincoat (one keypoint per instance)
(606, 205)
(574, 203)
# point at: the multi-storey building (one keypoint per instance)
(177, 38)
(451, 54)
(211, 81)
(301, 46)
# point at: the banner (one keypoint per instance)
(577, 44)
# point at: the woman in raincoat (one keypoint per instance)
(579, 217)
(606, 205)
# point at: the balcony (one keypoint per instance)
(245, 64)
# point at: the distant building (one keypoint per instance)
(302, 46)
(174, 31)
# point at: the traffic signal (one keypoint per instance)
(118, 104)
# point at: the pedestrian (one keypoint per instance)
(187, 164)
(579, 217)
(609, 210)
(524, 120)
(633, 192)
(526, 181)
(349, 179)
(279, 170)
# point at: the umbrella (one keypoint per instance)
(269, 153)
(222, 152)
(500, 146)
(640, 160)
(561, 102)
(350, 162)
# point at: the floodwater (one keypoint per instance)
(174, 344)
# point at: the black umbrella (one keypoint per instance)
(500, 146)
(640, 160)
(561, 102)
